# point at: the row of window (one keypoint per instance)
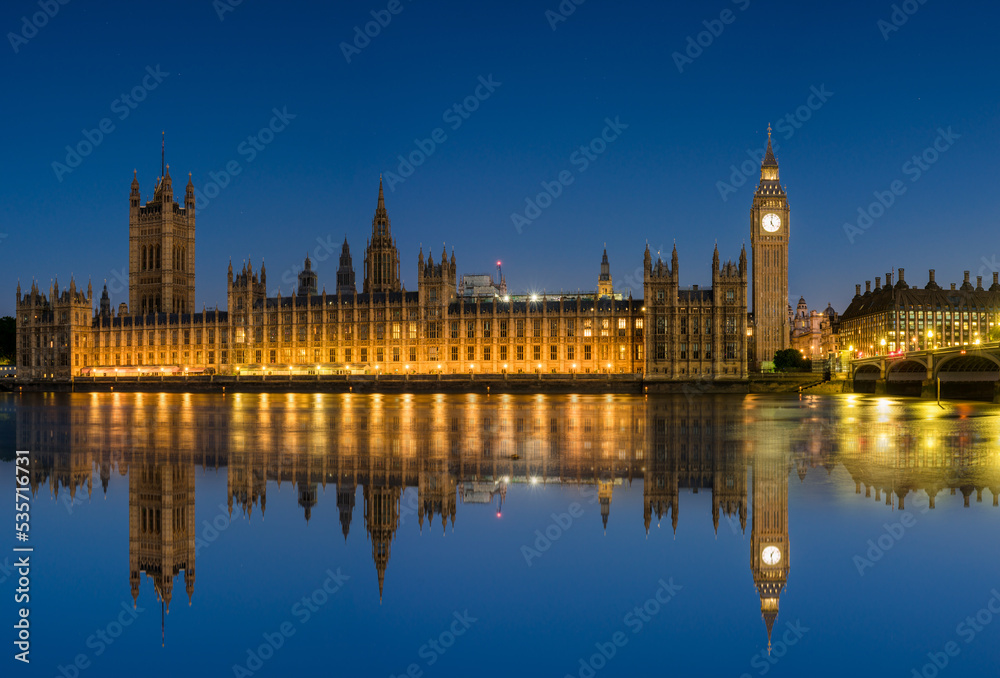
(730, 296)
(697, 351)
(697, 325)
(394, 330)
(378, 355)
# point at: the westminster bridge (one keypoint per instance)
(962, 372)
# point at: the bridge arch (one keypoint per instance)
(866, 377)
(956, 364)
(970, 376)
(905, 377)
(906, 366)
(867, 371)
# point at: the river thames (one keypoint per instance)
(456, 535)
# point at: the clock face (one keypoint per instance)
(771, 222)
(771, 555)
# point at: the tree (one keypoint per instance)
(791, 360)
(8, 342)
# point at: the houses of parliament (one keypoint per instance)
(378, 327)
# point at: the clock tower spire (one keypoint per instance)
(769, 228)
(769, 543)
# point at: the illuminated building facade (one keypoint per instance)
(769, 230)
(815, 334)
(675, 334)
(897, 317)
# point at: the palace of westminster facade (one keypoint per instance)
(670, 334)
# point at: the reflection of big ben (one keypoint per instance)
(769, 559)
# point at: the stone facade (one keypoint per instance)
(897, 317)
(815, 333)
(161, 237)
(676, 333)
(769, 229)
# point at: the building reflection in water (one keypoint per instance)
(468, 449)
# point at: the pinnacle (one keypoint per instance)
(769, 160)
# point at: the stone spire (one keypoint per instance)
(381, 255)
(605, 286)
(381, 216)
(769, 160)
(345, 274)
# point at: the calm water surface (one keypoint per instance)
(264, 535)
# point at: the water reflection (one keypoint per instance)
(467, 450)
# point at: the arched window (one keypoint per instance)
(183, 258)
(143, 258)
(157, 268)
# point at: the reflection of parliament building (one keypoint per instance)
(436, 456)
(379, 327)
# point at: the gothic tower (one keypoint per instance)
(769, 558)
(381, 522)
(161, 527)
(437, 284)
(161, 238)
(605, 490)
(604, 286)
(308, 281)
(769, 224)
(381, 256)
(345, 504)
(345, 274)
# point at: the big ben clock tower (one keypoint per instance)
(769, 225)
(769, 558)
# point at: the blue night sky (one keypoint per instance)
(889, 94)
